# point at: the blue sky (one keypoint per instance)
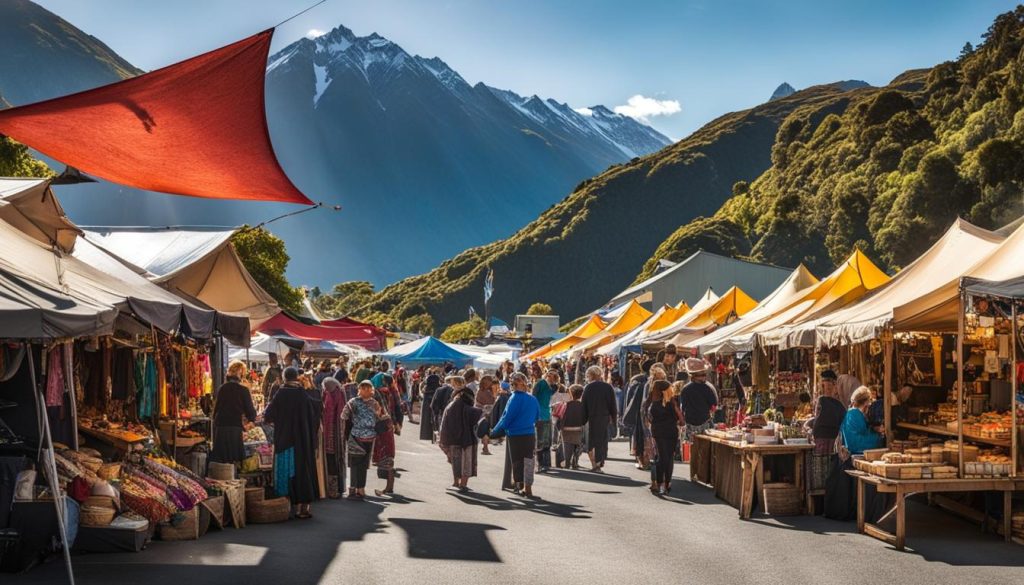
(712, 57)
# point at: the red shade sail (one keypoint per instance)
(363, 336)
(195, 128)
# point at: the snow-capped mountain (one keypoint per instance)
(406, 141)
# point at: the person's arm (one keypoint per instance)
(248, 408)
(613, 404)
(510, 407)
(585, 399)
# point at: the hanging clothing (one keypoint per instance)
(148, 389)
(122, 384)
(55, 376)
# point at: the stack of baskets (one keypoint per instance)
(97, 511)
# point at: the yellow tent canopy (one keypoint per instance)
(850, 281)
(733, 304)
(586, 330)
(662, 318)
(630, 319)
(736, 336)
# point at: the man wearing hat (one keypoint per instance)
(669, 357)
(698, 399)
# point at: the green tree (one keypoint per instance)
(465, 330)
(16, 161)
(352, 296)
(422, 324)
(265, 257)
(540, 309)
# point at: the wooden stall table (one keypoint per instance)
(908, 487)
(728, 459)
(119, 439)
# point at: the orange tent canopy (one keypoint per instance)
(589, 328)
(195, 128)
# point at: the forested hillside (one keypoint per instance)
(892, 170)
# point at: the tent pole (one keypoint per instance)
(887, 349)
(1013, 386)
(51, 469)
(961, 391)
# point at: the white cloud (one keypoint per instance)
(584, 112)
(314, 33)
(643, 108)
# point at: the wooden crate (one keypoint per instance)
(781, 499)
(215, 506)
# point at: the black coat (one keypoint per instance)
(458, 421)
(599, 402)
(293, 412)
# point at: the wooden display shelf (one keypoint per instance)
(121, 440)
(908, 487)
(948, 433)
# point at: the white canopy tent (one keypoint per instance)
(736, 337)
(937, 310)
(959, 248)
(197, 262)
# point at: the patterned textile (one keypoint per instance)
(690, 430)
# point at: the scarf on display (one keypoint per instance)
(55, 376)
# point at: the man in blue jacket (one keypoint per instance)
(519, 422)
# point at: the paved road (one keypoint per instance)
(587, 528)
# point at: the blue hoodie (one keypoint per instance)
(520, 417)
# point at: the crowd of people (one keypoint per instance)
(331, 417)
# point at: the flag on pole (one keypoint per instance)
(489, 285)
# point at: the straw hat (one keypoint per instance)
(695, 366)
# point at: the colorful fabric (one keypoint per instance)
(284, 471)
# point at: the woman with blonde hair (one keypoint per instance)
(232, 410)
(664, 416)
(857, 434)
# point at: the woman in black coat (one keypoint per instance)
(232, 408)
(430, 386)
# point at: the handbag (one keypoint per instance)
(382, 426)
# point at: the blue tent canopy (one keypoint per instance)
(428, 350)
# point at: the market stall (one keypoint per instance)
(747, 466)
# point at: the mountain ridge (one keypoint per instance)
(572, 257)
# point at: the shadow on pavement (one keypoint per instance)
(537, 506)
(296, 551)
(601, 478)
(450, 541)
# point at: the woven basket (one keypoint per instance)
(781, 499)
(95, 516)
(100, 502)
(221, 471)
(109, 471)
(254, 496)
(187, 529)
(268, 511)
